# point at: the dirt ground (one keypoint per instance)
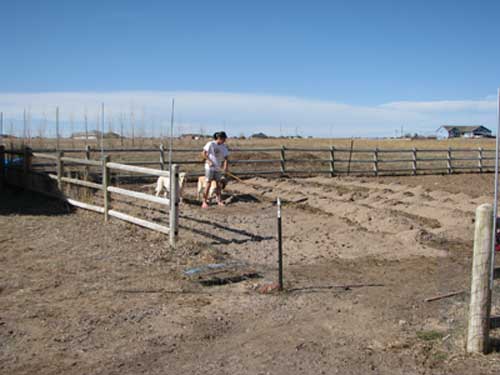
(78, 296)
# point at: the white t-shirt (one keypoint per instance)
(216, 154)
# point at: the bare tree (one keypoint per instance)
(142, 127)
(24, 128)
(110, 128)
(86, 121)
(132, 126)
(72, 129)
(29, 127)
(152, 131)
(42, 126)
(121, 128)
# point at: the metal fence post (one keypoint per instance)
(375, 161)
(105, 184)
(448, 161)
(162, 157)
(174, 204)
(60, 171)
(414, 161)
(332, 161)
(282, 161)
(480, 296)
(480, 159)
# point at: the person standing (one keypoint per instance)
(216, 156)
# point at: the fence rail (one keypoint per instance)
(298, 160)
(28, 180)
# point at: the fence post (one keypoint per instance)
(282, 161)
(480, 158)
(375, 161)
(60, 171)
(105, 184)
(480, 295)
(2, 166)
(26, 167)
(414, 161)
(448, 161)
(162, 157)
(87, 157)
(174, 204)
(332, 161)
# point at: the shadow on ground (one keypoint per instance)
(15, 201)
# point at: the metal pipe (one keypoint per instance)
(170, 145)
(102, 130)
(495, 203)
(280, 247)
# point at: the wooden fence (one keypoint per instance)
(331, 161)
(16, 168)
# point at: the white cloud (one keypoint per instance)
(486, 105)
(246, 113)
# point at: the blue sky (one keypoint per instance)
(325, 67)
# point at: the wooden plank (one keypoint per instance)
(60, 170)
(94, 163)
(140, 222)
(141, 170)
(138, 195)
(395, 160)
(44, 156)
(86, 206)
(76, 181)
(256, 161)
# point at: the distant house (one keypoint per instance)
(91, 136)
(94, 135)
(466, 131)
(193, 136)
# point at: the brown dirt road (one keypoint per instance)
(81, 297)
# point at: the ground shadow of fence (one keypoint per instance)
(17, 201)
(251, 237)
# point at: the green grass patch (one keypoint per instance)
(429, 335)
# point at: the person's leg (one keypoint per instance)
(208, 180)
(218, 190)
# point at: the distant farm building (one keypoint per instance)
(466, 131)
(193, 136)
(94, 135)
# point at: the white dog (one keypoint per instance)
(163, 183)
(202, 183)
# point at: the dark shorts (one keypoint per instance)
(211, 175)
